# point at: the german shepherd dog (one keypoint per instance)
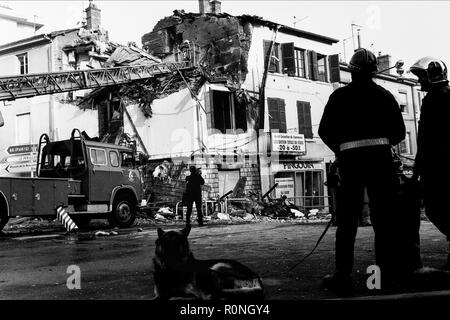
(177, 274)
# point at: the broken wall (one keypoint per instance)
(172, 130)
(223, 40)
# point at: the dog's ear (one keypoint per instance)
(186, 230)
(160, 232)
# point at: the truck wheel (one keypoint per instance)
(81, 222)
(3, 221)
(123, 213)
(3, 214)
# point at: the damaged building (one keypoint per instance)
(81, 48)
(248, 109)
(244, 107)
(70, 49)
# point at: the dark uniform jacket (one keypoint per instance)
(193, 187)
(361, 111)
(434, 134)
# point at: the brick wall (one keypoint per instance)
(253, 183)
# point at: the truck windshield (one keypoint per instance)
(62, 159)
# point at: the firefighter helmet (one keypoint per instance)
(430, 69)
(363, 61)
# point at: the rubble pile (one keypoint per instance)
(222, 41)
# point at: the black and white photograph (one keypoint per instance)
(240, 152)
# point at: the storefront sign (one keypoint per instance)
(288, 143)
(285, 188)
(297, 166)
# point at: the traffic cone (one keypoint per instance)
(64, 218)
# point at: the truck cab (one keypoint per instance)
(104, 177)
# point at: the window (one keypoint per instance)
(308, 188)
(277, 114)
(98, 157)
(227, 113)
(405, 145)
(23, 128)
(321, 68)
(114, 158)
(23, 63)
(274, 65)
(295, 61)
(300, 69)
(304, 119)
(403, 101)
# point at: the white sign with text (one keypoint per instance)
(292, 143)
(285, 188)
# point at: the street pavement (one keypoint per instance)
(120, 266)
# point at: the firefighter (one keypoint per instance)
(360, 123)
(194, 194)
(433, 143)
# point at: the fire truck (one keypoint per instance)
(89, 178)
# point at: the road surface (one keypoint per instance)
(120, 266)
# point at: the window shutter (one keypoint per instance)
(301, 117)
(274, 118)
(272, 64)
(313, 69)
(282, 115)
(277, 114)
(304, 119)
(308, 122)
(333, 61)
(288, 58)
(266, 49)
(209, 109)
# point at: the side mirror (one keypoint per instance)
(1, 120)
(142, 159)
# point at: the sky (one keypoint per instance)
(407, 30)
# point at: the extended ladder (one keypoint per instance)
(30, 85)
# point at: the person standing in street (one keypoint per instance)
(433, 143)
(360, 123)
(194, 194)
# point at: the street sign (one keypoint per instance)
(20, 159)
(289, 143)
(20, 167)
(26, 148)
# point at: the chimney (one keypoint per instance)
(204, 6)
(216, 6)
(93, 17)
(384, 62)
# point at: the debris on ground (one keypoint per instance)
(101, 233)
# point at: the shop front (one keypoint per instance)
(302, 182)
